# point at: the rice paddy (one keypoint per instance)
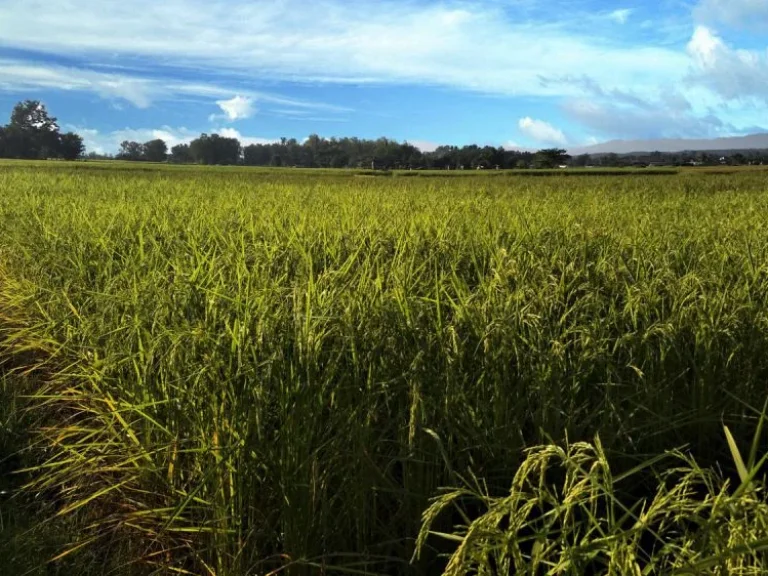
(230, 372)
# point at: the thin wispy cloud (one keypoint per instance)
(621, 16)
(569, 67)
(20, 76)
(474, 46)
(751, 14)
(142, 91)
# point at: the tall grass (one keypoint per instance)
(242, 372)
(565, 514)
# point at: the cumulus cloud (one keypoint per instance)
(541, 131)
(237, 108)
(733, 74)
(706, 48)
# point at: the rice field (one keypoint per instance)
(231, 372)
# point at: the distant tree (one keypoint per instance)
(317, 151)
(130, 150)
(98, 156)
(582, 160)
(155, 151)
(215, 149)
(180, 154)
(32, 132)
(276, 160)
(521, 164)
(71, 146)
(550, 158)
(257, 154)
(738, 159)
(32, 115)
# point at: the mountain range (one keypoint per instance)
(749, 142)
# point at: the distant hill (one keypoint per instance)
(750, 142)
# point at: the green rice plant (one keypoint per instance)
(229, 371)
(566, 513)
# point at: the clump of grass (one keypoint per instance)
(567, 513)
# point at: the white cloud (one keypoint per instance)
(18, 76)
(109, 142)
(705, 47)
(424, 145)
(24, 76)
(735, 13)
(672, 112)
(237, 108)
(712, 102)
(541, 131)
(620, 16)
(244, 140)
(513, 145)
(653, 120)
(479, 47)
(731, 73)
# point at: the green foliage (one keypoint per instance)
(130, 150)
(236, 371)
(155, 150)
(151, 151)
(564, 515)
(180, 154)
(71, 146)
(215, 149)
(33, 134)
(550, 158)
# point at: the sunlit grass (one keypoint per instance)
(233, 372)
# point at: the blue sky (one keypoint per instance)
(517, 73)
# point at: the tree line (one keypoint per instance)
(683, 158)
(317, 152)
(32, 133)
(383, 153)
